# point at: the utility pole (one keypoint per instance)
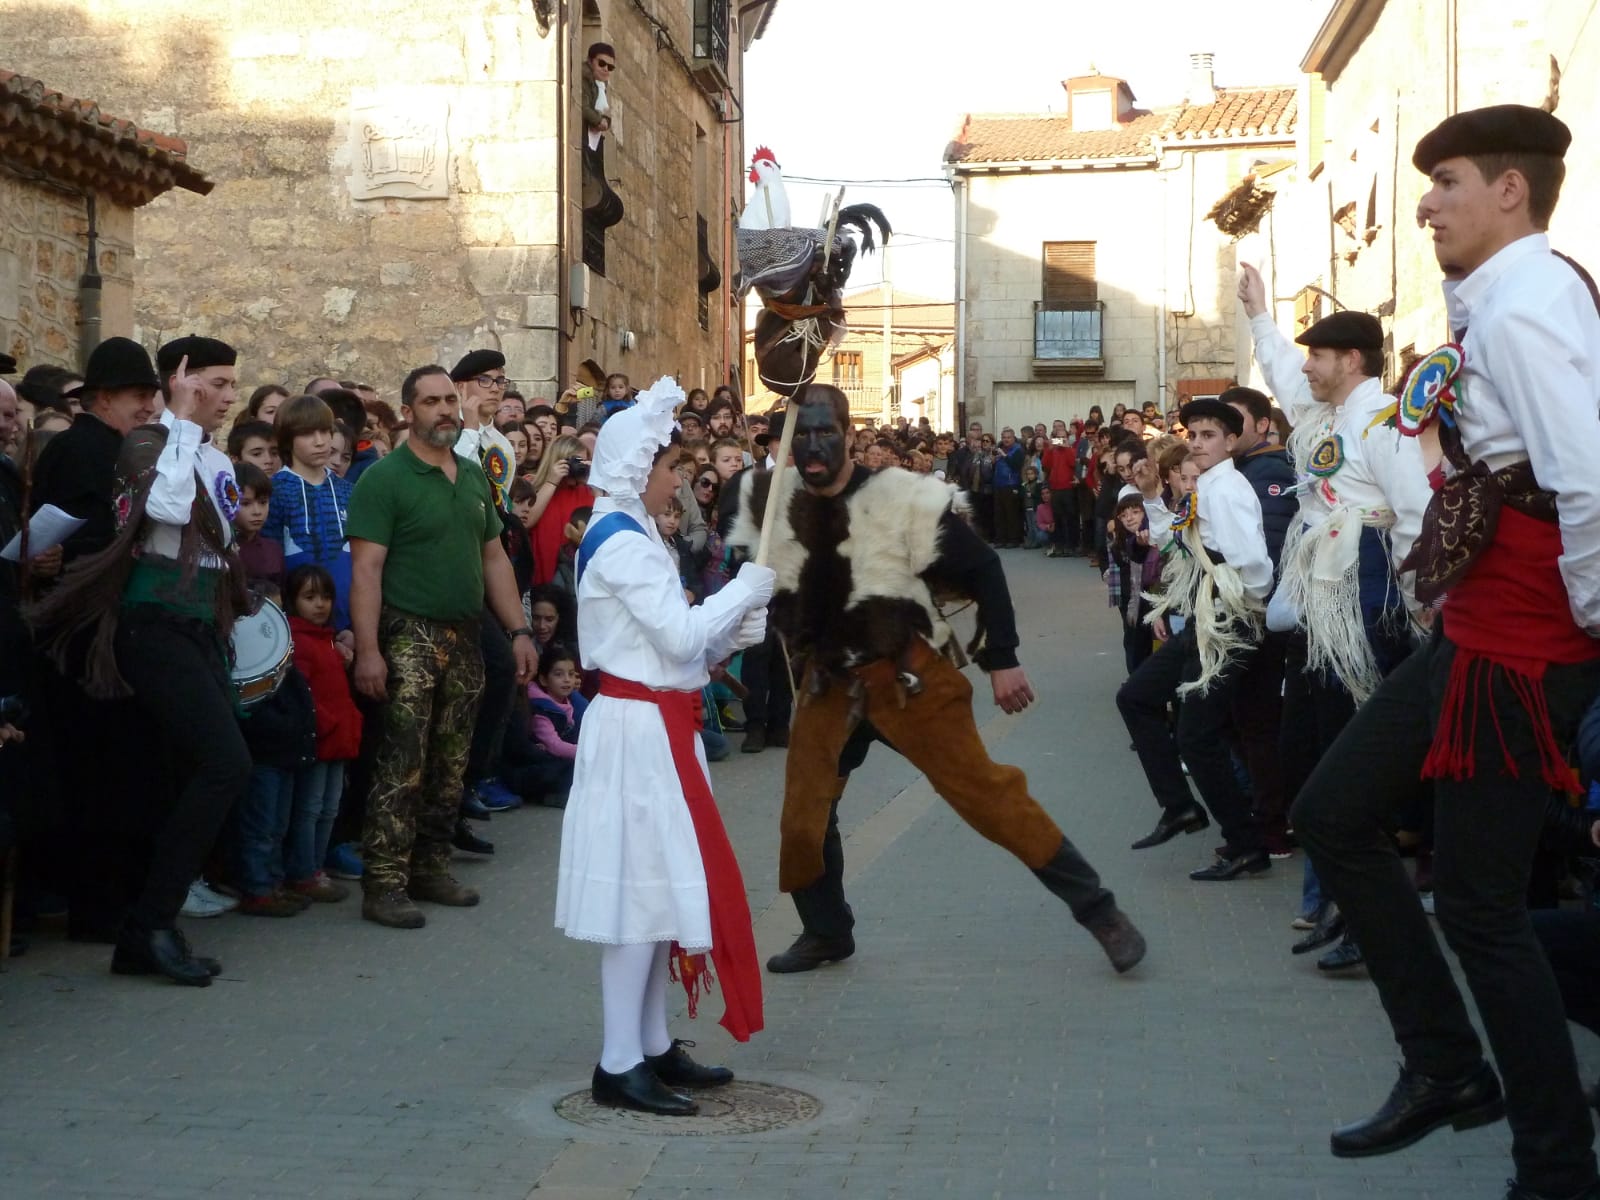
(888, 334)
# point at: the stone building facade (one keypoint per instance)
(1086, 273)
(400, 181)
(70, 178)
(1379, 76)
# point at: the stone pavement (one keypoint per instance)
(977, 1046)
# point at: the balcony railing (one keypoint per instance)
(711, 32)
(1068, 331)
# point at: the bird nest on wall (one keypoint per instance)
(1240, 211)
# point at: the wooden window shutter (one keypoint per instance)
(1069, 272)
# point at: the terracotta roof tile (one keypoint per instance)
(68, 137)
(1044, 137)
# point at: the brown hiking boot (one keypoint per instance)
(442, 889)
(1124, 945)
(392, 907)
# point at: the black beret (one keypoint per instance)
(1498, 129)
(8, 365)
(1344, 331)
(1231, 418)
(202, 352)
(475, 362)
(119, 362)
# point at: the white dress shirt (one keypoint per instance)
(186, 461)
(1530, 390)
(1383, 477)
(473, 442)
(1229, 523)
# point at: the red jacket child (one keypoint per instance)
(338, 718)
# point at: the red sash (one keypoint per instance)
(733, 943)
(1508, 614)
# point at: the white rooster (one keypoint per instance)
(769, 204)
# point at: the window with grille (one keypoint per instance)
(1067, 321)
(847, 369)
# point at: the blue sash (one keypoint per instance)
(600, 532)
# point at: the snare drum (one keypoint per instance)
(262, 651)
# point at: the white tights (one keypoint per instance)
(633, 997)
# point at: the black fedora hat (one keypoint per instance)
(119, 362)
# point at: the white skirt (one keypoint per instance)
(630, 863)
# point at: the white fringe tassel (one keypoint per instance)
(1226, 621)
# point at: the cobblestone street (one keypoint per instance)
(976, 1046)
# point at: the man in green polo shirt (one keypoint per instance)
(426, 555)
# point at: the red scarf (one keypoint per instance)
(733, 943)
(1510, 613)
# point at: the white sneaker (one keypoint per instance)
(203, 902)
(1427, 902)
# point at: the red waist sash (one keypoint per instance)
(1509, 614)
(733, 943)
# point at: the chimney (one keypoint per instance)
(1202, 83)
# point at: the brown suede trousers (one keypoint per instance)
(934, 729)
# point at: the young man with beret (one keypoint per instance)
(1484, 715)
(1218, 574)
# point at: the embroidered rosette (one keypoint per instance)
(1429, 390)
(1184, 517)
(628, 442)
(1326, 457)
(227, 490)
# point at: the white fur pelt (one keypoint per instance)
(1212, 596)
(894, 537)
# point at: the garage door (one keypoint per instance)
(1018, 404)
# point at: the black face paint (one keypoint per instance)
(819, 445)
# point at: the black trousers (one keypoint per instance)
(1486, 830)
(822, 907)
(1257, 720)
(1316, 708)
(499, 694)
(180, 680)
(1008, 516)
(1064, 507)
(1571, 941)
(1202, 721)
(770, 703)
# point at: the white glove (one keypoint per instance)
(752, 629)
(760, 580)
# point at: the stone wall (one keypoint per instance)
(43, 243)
(1392, 91)
(390, 179)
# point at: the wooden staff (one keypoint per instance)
(786, 442)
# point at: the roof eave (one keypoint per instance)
(1342, 31)
(1025, 166)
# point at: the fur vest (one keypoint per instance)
(850, 587)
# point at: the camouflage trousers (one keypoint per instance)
(435, 682)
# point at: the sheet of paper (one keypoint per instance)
(48, 529)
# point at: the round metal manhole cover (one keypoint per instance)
(740, 1107)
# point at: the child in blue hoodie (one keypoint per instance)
(310, 503)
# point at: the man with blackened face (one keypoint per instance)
(859, 557)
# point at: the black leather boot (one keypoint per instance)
(1417, 1106)
(638, 1088)
(809, 952)
(161, 952)
(1119, 938)
(676, 1069)
(465, 839)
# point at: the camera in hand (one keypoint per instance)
(577, 468)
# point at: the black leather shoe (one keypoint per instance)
(809, 952)
(1343, 957)
(1328, 929)
(472, 807)
(778, 738)
(1417, 1106)
(162, 952)
(464, 839)
(1255, 862)
(676, 1069)
(1186, 820)
(755, 740)
(638, 1088)
(1123, 943)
